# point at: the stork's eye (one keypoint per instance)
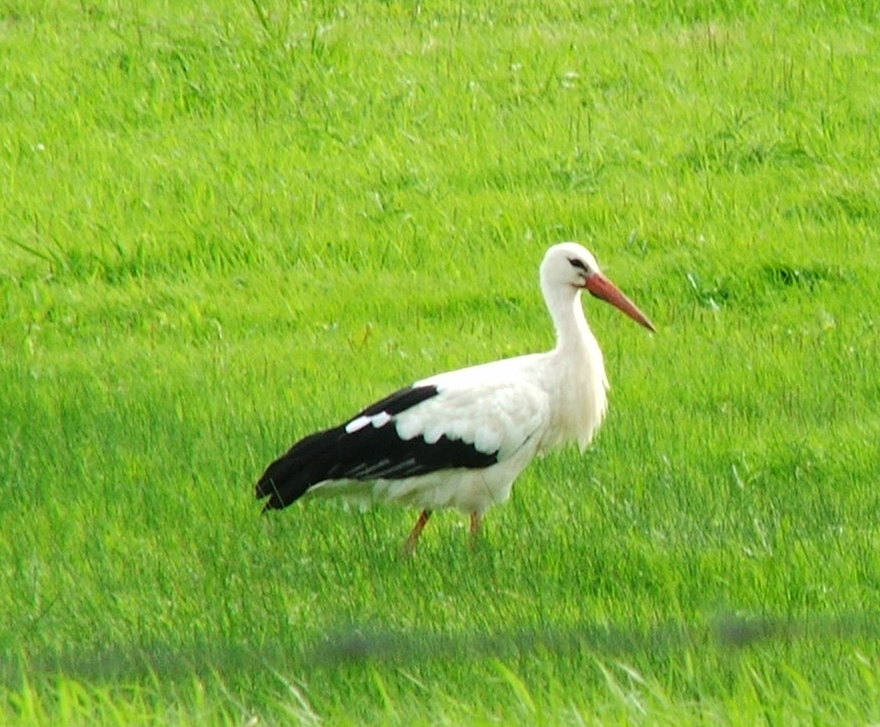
(579, 264)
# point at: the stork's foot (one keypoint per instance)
(409, 546)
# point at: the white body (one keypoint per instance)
(520, 407)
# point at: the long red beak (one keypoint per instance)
(603, 288)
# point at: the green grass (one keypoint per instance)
(225, 224)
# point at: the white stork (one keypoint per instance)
(460, 439)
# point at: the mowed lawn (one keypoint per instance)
(226, 224)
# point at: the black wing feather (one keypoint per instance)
(368, 453)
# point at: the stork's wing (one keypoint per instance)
(444, 423)
(490, 416)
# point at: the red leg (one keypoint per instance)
(476, 522)
(413, 538)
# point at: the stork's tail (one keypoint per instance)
(280, 484)
(291, 475)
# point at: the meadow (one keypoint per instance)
(226, 224)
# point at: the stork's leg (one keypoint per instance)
(413, 538)
(476, 522)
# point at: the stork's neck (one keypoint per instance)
(572, 331)
(575, 376)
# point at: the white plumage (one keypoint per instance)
(459, 439)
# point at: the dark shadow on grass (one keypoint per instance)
(726, 633)
(353, 645)
(131, 664)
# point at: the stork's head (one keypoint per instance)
(569, 264)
